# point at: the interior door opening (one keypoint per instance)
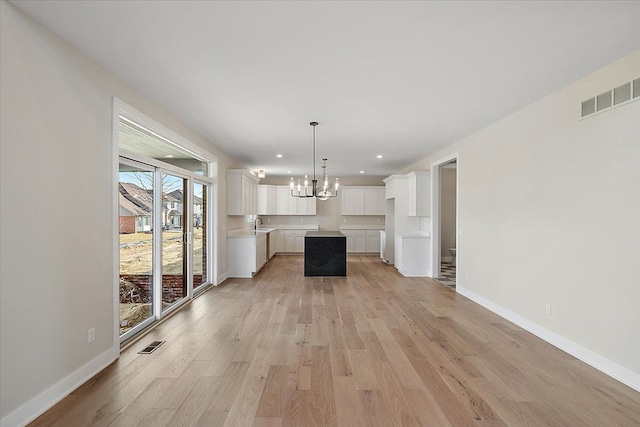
(445, 244)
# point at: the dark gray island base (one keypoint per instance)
(325, 253)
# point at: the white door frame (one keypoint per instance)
(435, 213)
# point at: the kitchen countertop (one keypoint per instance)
(425, 234)
(294, 226)
(362, 227)
(324, 234)
(249, 232)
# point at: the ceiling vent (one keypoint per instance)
(620, 95)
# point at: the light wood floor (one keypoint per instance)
(374, 349)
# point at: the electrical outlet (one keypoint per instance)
(268, 219)
(547, 309)
(378, 220)
(91, 335)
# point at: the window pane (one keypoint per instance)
(136, 246)
(174, 286)
(199, 235)
(136, 139)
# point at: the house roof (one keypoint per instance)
(131, 207)
(140, 197)
(179, 196)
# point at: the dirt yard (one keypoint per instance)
(136, 255)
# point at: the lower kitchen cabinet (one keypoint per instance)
(362, 240)
(412, 255)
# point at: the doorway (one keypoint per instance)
(445, 231)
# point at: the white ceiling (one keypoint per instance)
(401, 79)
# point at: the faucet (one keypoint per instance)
(255, 223)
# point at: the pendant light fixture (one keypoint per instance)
(312, 191)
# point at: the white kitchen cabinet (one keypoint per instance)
(267, 200)
(372, 241)
(374, 201)
(391, 186)
(419, 184)
(288, 241)
(362, 240)
(363, 200)
(298, 240)
(283, 194)
(246, 255)
(278, 240)
(359, 243)
(286, 204)
(356, 240)
(412, 255)
(352, 201)
(272, 245)
(261, 251)
(242, 189)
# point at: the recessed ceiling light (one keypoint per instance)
(379, 156)
(279, 156)
(168, 156)
(288, 171)
(361, 171)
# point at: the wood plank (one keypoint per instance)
(374, 348)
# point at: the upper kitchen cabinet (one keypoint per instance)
(362, 200)
(419, 183)
(242, 192)
(374, 201)
(267, 200)
(277, 200)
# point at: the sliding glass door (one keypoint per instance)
(175, 239)
(164, 196)
(136, 242)
(200, 226)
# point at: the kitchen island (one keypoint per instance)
(325, 253)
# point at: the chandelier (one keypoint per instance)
(306, 191)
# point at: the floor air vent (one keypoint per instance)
(151, 347)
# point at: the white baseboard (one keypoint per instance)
(222, 277)
(45, 400)
(601, 363)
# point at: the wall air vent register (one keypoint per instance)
(619, 95)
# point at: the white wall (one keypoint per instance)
(447, 211)
(543, 198)
(56, 214)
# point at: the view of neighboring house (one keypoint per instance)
(172, 210)
(133, 218)
(136, 205)
(197, 206)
